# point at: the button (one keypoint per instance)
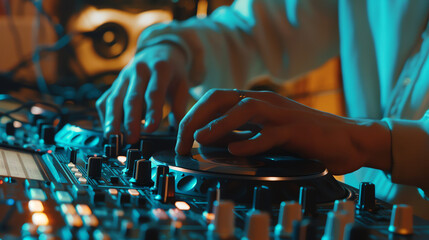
(143, 173)
(223, 224)
(37, 194)
(83, 209)
(166, 188)
(40, 219)
(68, 209)
(132, 156)
(57, 186)
(73, 220)
(94, 167)
(46, 229)
(257, 226)
(48, 134)
(90, 221)
(74, 169)
(35, 206)
(63, 197)
(159, 214)
(82, 180)
(182, 205)
(71, 165)
(133, 192)
(113, 191)
(28, 229)
(29, 183)
(176, 214)
(78, 175)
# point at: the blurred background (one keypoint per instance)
(72, 50)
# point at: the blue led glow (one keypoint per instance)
(10, 202)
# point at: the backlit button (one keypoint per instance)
(73, 220)
(90, 221)
(82, 180)
(176, 214)
(63, 197)
(71, 165)
(159, 214)
(37, 194)
(68, 209)
(83, 209)
(113, 191)
(35, 206)
(133, 192)
(75, 170)
(40, 219)
(78, 175)
(182, 205)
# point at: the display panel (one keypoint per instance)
(19, 164)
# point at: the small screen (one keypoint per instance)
(19, 164)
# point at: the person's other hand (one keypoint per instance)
(343, 144)
(155, 74)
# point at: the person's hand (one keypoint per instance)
(343, 144)
(155, 74)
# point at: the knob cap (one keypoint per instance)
(346, 205)
(71, 154)
(115, 141)
(262, 199)
(223, 225)
(109, 151)
(289, 212)
(401, 220)
(213, 194)
(304, 230)
(149, 233)
(10, 129)
(132, 156)
(143, 173)
(335, 225)
(307, 199)
(160, 170)
(166, 190)
(257, 226)
(48, 134)
(366, 196)
(94, 167)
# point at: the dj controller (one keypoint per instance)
(71, 183)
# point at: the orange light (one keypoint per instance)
(182, 206)
(1, 181)
(122, 159)
(49, 151)
(40, 219)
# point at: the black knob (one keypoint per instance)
(307, 199)
(213, 194)
(94, 167)
(98, 196)
(71, 154)
(160, 170)
(116, 142)
(262, 198)
(39, 124)
(123, 198)
(10, 129)
(48, 134)
(366, 197)
(132, 156)
(143, 174)
(356, 232)
(109, 151)
(166, 189)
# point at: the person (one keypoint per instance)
(384, 49)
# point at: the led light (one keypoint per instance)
(35, 110)
(35, 206)
(122, 159)
(113, 191)
(133, 192)
(74, 169)
(40, 219)
(78, 175)
(210, 216)
(182, 206)
(82, 180)
(17, 124)
(71, 165)
(83, 209)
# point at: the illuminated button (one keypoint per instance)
(176, 214)
(35, 206)
(71, 165)
(113, 191)
(182, 206)
(68, 209)
(40, 219)
(83, 209)
(122, 159)
(37, 194)
(133, 192)
(75, 170)
(159, 214)
(90, 221)
(78, 175)
(63, 197)
(28, 229)
(73, 220)
(82, 180)
(45, 229)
